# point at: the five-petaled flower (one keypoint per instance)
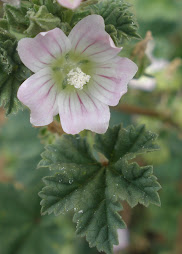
(76, 76)
(71, 4)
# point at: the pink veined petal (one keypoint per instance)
(37, 53)
(71, 4)
(110, 80)
(39, 93)
(90, 39)
(79, 110)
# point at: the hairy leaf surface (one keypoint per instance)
(12, 72)
(94, 190)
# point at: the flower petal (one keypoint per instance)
(71, 4)
(90, 39)
(39, 93)
(110, 80)
(37, 53)
(79, 110)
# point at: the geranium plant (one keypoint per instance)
(63, 60)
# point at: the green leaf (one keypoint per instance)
(4, 24)
(5, 35)
(120, 22)
(119, 142)
(52, 6)
(16, 18)
(86, 192)
(8, 93)
(65, 27)
(67, 150)
(12, 72)
(95, 189)
(32, 17)
(41, 20)
(135, 184)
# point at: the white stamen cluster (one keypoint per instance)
(77, 78)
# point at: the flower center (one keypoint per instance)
(77, 78)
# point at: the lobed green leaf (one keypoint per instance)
(120, 22)
(41, 20)
(95, 189)
(12, 72)
(119, 142)
(67, 150)
(16, 18)
(135, 184)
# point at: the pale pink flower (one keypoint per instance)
(76, 76)
(71, 4)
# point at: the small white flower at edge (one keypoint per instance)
(71, 4)
(147, 83)
(76, 77)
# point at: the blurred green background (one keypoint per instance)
(151, 231)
